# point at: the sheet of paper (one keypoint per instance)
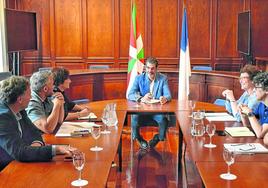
(222, 116)
(246, 148)
(239, 131)
(67, 128)
(90, 116)
(153, 101)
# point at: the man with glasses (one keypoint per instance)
(258, 118)
(147, 87)
(248, 98)
(46, 109)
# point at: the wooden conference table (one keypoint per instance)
(209, 162)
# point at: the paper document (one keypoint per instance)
(90, 116)
(239, 131)
(67, 128)
(246, 148)
(222, 116)
(152, 101)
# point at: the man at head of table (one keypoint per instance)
(19, 138)
(258, 119)
(147, 86)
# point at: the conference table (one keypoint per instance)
(209, 162)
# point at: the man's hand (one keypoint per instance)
(84, 112)
(147, 97)
(163, 100)
(58, 99)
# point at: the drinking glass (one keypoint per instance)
(210, 129)
(96, 131)
(228, 156)
(104, 119)
(79, 162)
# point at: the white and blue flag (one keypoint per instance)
(185, 67)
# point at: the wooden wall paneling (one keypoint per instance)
(70, 66)
(164, 39)
(197, 87)
(32, 60)
(200, 30)
(216, 85)
(82, 87)
(68, 29)
(115, 86)
(226, 36)
(100, 29)
(259, 11)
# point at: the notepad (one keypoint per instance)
(239, 131)
(67, 128)
(246, 148)
(90, 116)
(222, 116)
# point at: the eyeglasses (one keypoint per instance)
(258, 87)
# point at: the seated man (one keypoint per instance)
(62, 82)
(147, 86)
(19, 138)
(258, 119)
(248, 98)
(46, 109)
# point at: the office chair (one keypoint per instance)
(4, 75)
(99, 67)
(204, 68)
(219, 102)
(44, 69)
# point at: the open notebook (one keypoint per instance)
(222, 116)
(239, 131)
(246, 148)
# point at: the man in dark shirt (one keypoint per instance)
(19, 138)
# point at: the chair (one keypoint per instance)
(44, 69)
(81, 101)
(203, 68)
(99, 67)
(219, 102)
(4, 75)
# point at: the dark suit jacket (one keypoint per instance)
(13, 145)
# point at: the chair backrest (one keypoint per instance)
(204, 68)
(99, 67)
(219, 102)
(44, 69)
(4, 75)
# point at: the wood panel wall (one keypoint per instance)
(79, 33)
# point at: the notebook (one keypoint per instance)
(239, 131)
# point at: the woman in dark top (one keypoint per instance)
(61, 82)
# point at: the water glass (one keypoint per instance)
(79, 162)
(229, 158)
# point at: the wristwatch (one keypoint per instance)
(250, 114)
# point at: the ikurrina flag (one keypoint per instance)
(185, 67)
(136, 51)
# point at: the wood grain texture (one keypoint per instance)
(93, 31)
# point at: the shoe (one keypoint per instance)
(154, 141)
(142, 143)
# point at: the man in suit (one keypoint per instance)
(258, 118)
(46, 108)
(19, 138)
(146, 87)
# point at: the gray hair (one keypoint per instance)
(13, 87)
(152, 60)
(39, 79)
